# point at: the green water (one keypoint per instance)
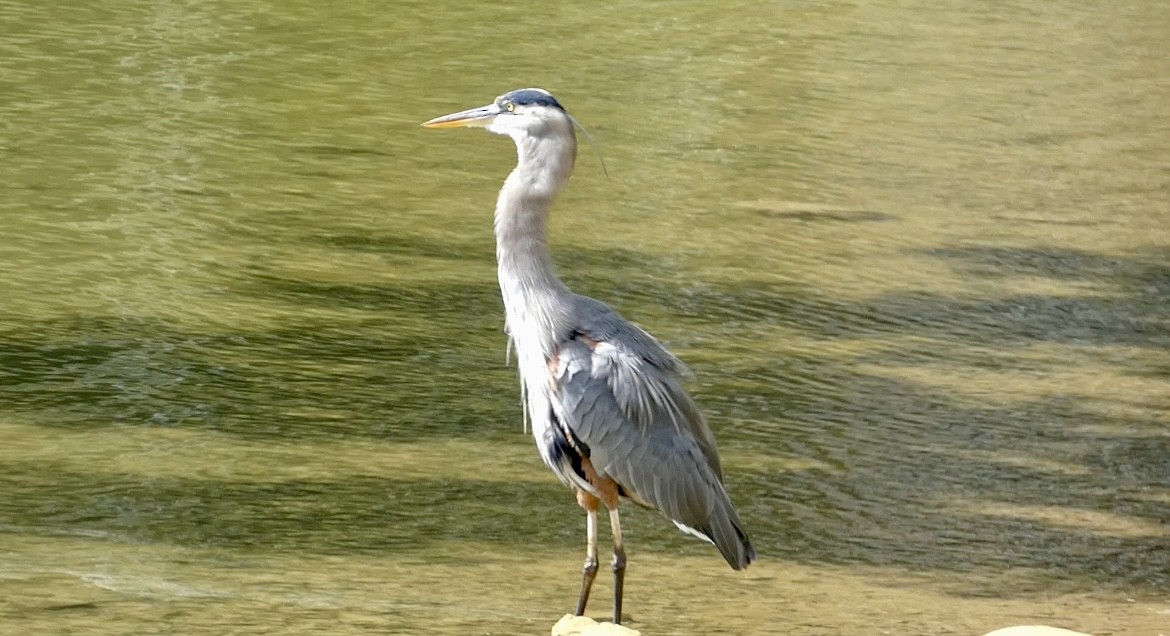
(252, 372)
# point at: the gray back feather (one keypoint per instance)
(620, 393)
(645, 378)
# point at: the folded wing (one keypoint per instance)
(618, 393)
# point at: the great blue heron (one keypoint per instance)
(606, 402)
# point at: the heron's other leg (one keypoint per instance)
(589, 572)
(619, 564)
(607, 493)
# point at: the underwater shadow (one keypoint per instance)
(902, 474)
(350, 514)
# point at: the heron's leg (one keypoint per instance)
(589, 572)
(619, 564)
(607, 492)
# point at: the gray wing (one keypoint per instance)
(619, 393)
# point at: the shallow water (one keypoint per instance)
(251, 365)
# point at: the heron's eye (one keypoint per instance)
(510, 107)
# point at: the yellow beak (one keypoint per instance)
(474, 117)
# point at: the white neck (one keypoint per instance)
(535, 299)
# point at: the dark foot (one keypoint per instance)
(619, 577)
(588, 573)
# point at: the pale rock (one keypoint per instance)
(570, 625)
(1034, 630)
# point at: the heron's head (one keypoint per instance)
(519, 113)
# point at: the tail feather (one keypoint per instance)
(725, 531)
